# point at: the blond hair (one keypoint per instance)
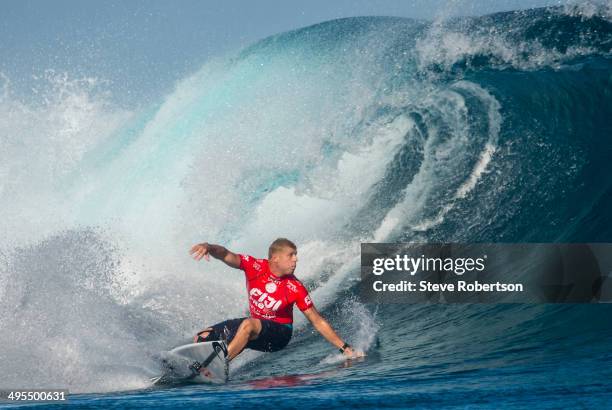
(279, 244)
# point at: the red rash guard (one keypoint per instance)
(272, 297)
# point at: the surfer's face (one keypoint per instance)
(285, 260)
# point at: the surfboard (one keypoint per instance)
(194, 363)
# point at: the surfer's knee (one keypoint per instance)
(252, 326)
(247, 325)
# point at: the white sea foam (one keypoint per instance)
(589, 9)
(107, 193)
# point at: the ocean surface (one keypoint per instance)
(371, 129)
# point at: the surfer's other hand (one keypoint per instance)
(351, 353)
(200, 251)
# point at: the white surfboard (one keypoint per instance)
(194, 363)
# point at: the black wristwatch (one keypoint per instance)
(344, 346)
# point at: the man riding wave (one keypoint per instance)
(272, 290)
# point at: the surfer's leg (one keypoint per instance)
(249, 330)
(201, 336)
(272, 338)
(220, 331)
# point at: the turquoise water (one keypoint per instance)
(488, 129)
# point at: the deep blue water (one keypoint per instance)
(488, 129)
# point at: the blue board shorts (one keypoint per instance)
(273, 336)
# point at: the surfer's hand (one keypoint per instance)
(200, 251)
(353, 353)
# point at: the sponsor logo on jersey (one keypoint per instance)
(292, 286)
(263, 301)
(307, 300)
(246, 257)
(256, 266)
(270, 287)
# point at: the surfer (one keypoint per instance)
(272, 290)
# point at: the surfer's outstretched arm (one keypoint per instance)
(205, 250)
(328, 332)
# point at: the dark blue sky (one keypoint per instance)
(144, 47)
